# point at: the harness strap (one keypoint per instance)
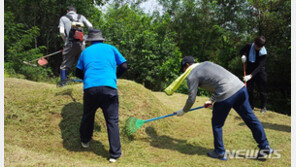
(71, 18)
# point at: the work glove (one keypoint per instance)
(180, 112)
(244, 58)
(208, 104)
(247, 77)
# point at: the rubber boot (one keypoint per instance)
(63, 77)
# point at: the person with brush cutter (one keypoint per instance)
(228, 92)
(71, 30)
(99, 66)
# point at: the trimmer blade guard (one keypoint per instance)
(42, 62)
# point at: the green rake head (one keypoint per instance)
(133, 124)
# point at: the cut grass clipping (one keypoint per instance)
(133, 124)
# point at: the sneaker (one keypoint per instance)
(263, 152)
(85, 145)
(263, 110)
(213, 154)
(112, 160)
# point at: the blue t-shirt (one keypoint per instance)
(99, 63)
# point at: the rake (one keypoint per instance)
(133, 124)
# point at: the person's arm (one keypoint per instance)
(261, 63)
(121, 69)
(245, 50)
(192, 92)
(210, 102)
(120, 61)
(87, 23)
(62, 29)
(79, 73)
(213, 98)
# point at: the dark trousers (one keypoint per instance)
(107, 99)
(260, 81)
(238, 101)
(71, 54)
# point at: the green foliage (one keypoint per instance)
(153, 57)
(217, 30)
(154, 44)
(18, 42)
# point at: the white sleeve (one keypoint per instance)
(87, 23)
(62, 33)
(62, 29)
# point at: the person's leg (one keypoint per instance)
(67, 54)
(250, 86)
(220, 113)
(261, 84)
(243, 108)
(66, 63)
(63, 76)
(79, 47)
(110, 109)
(71, 54)
(90, 105)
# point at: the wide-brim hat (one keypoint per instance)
(95, 35)
(187, 59)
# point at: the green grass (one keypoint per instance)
(42, 129)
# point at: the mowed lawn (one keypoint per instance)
(42, 129)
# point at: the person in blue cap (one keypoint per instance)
(99, 66)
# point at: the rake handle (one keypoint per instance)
(169, 115)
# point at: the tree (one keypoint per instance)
(151, 53)
(45, 15)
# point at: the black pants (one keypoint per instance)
(260, 81)
(107, 99)
(71, 54)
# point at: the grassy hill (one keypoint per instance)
(42, 129)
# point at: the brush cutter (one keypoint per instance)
(133, 124)
(41, 60)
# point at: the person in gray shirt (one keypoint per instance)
(227, 92)
(70, 27)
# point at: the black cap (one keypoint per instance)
(71, 8)
(187, 59)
